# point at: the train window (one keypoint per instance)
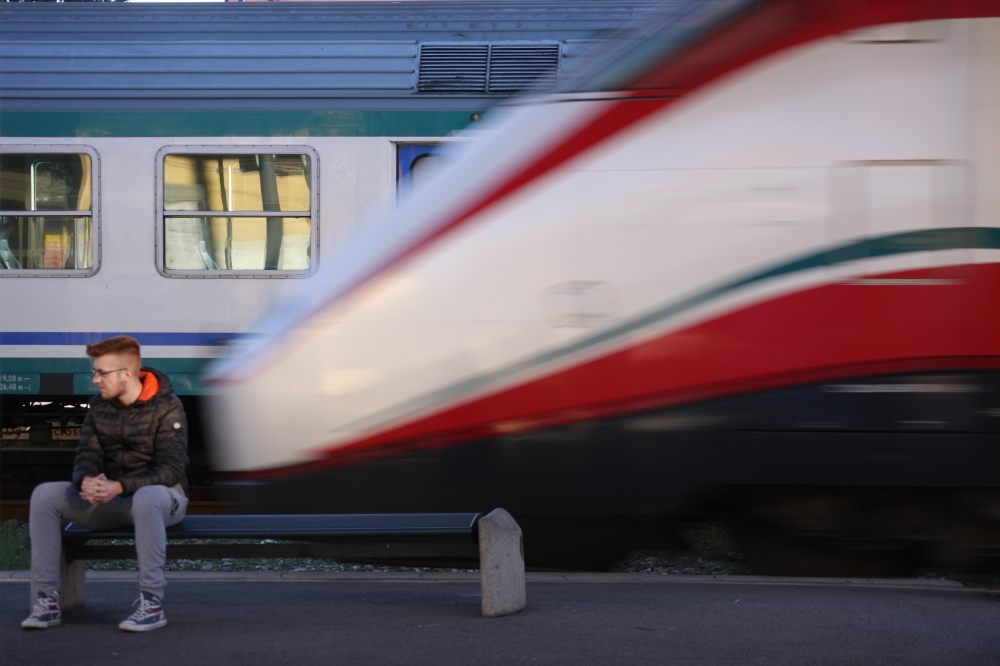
(47, 220)
(417, 163)
(237, 212)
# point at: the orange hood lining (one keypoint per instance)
(150, 384)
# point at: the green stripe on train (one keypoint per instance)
(185, 374)
(231, 123)
(925, 240)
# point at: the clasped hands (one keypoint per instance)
(98, 489)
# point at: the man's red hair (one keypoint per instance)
(124, 345)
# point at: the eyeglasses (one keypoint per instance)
(101, 373)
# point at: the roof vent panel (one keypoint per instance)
(515, 67)
(453, 68)
(498, 68)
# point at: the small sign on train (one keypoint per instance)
(19, 383)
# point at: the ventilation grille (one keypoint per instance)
(485, 68)
(453, 68)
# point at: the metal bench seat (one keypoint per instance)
(306, 527)
(492, 542)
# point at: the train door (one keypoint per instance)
(416, 164)
(898, 257)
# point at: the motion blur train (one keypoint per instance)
(170, 170)
(743, 263)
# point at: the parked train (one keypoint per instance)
(168, 171)
(743, 264)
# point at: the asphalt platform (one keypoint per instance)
(270, 618)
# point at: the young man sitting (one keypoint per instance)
(130, 469)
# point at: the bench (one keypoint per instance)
(493, 539)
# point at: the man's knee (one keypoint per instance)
(150, 498)
(53, 492)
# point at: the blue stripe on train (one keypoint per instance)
(82, 338)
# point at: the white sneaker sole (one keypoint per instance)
(39, 624)
(128, 626)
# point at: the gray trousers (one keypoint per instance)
(151, 509)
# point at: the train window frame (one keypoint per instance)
(159, 243)
(94, 213)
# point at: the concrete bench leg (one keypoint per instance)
(501, 560)
(73, 588)
(74, 584)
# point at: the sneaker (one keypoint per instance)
(45, 614)
(148, 616)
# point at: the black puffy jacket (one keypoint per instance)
(143, 444)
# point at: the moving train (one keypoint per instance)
(168, 171)
(743, 262)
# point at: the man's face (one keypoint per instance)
(112, 375)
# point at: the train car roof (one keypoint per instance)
(301, 56)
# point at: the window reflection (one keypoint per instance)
(45, 184)
(52, 243)
(239, 244)
(276, 187)
(237, 182)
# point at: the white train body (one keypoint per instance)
(468, 314)
(741, 270)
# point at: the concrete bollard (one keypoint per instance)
(501, 560)
(72, 587)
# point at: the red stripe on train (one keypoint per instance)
(825, 333)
